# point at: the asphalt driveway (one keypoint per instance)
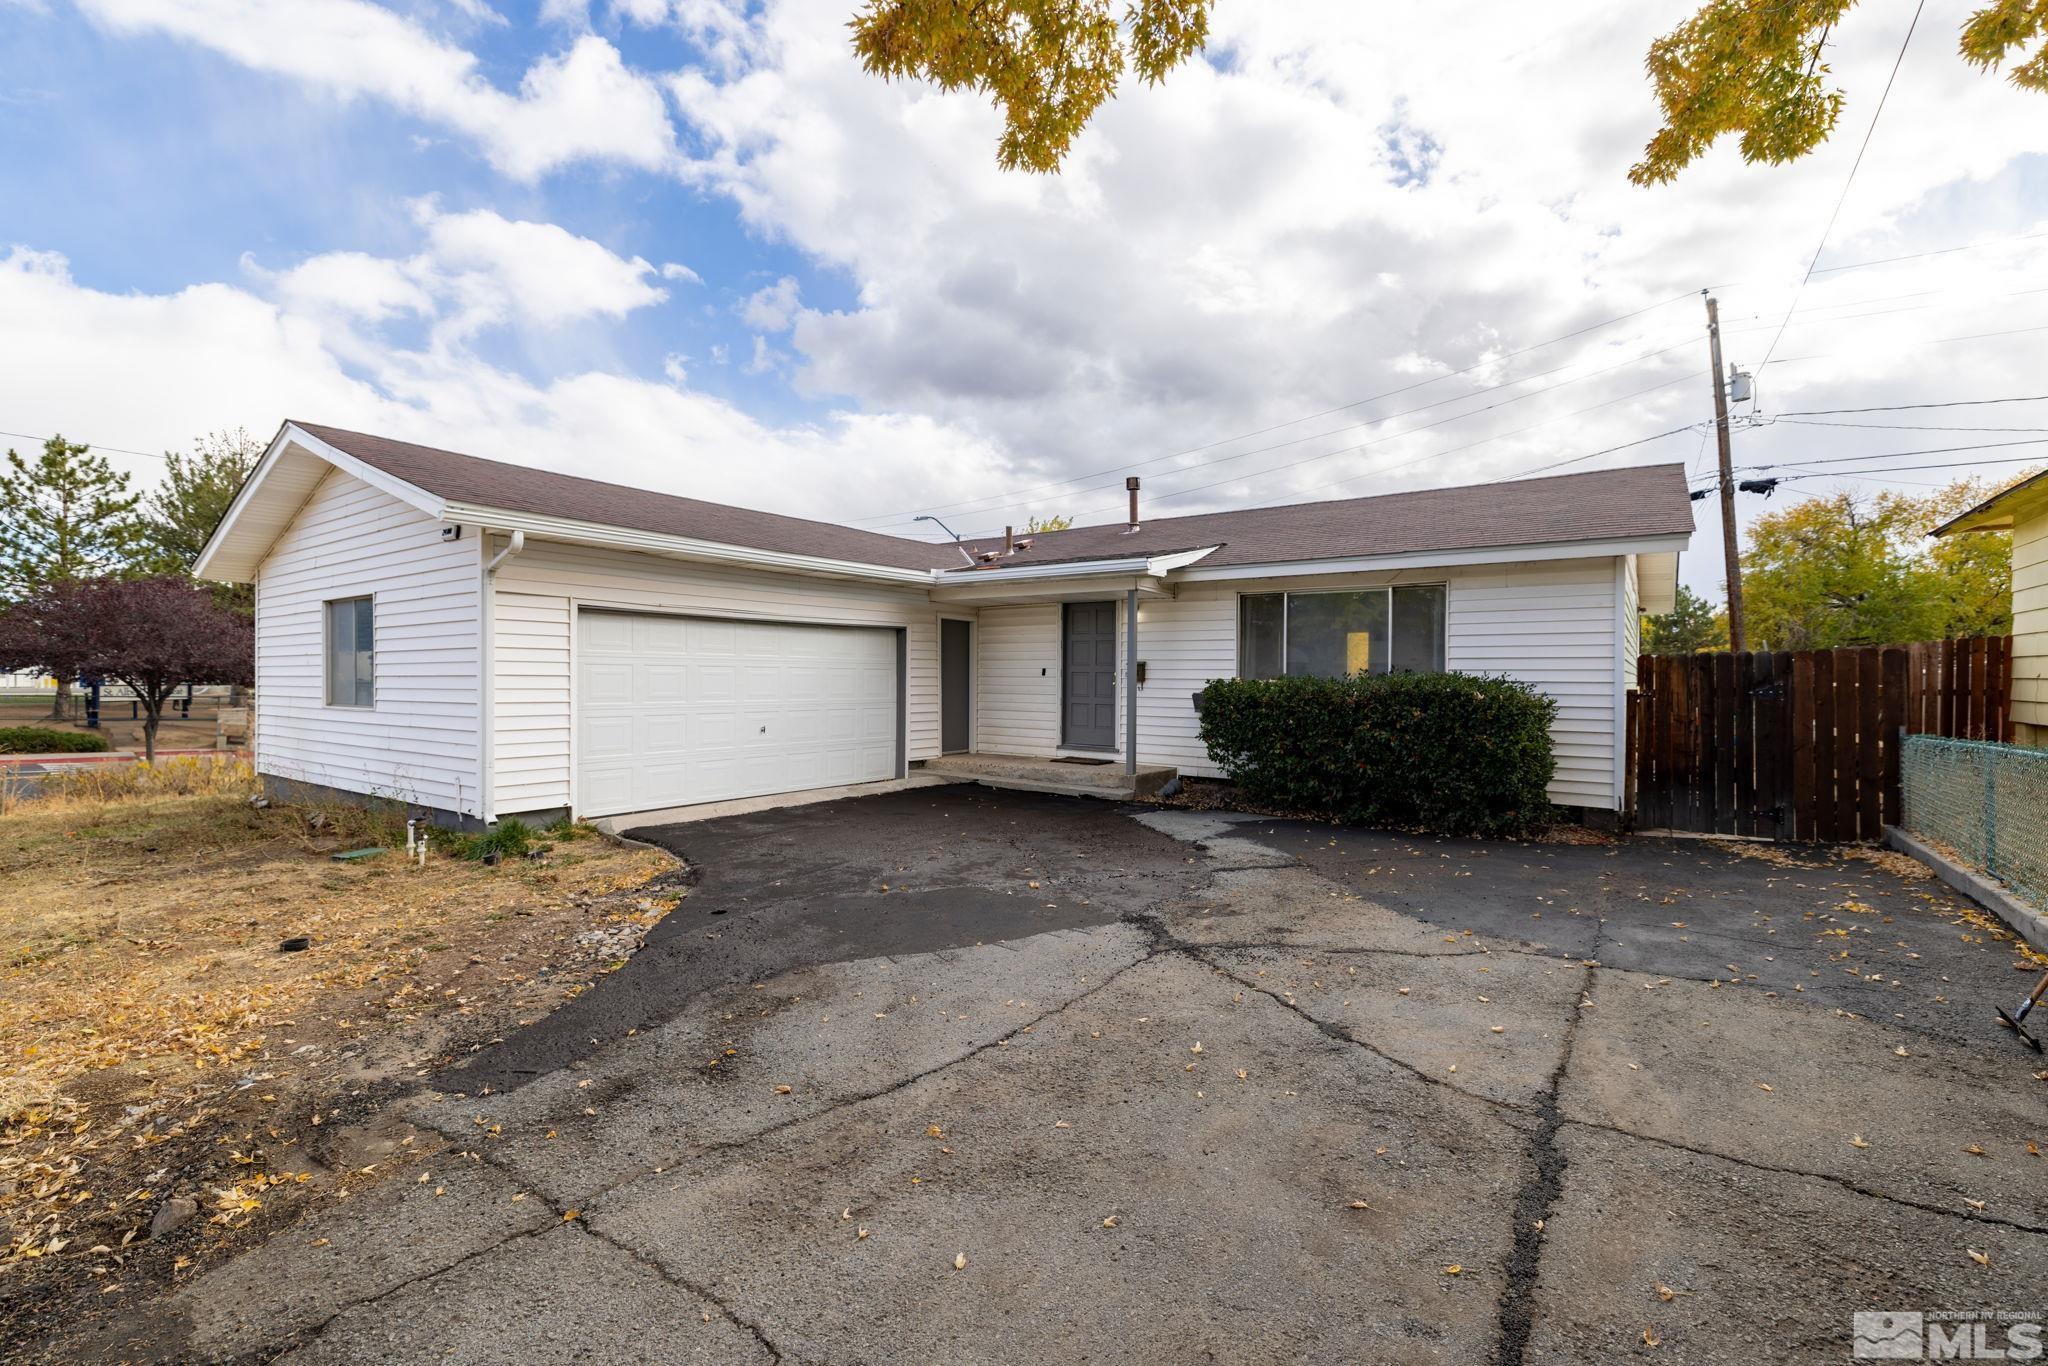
(974, 1076)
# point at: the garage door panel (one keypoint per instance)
(607, 736)
(608, 632)
(607, 684)
(679, 710)
(664, 683)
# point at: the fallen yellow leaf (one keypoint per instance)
(960, 1258)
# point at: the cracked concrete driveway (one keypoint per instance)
(1148, 1085)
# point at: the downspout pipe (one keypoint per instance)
(1131, 681)
(512, 547)
(487, 681)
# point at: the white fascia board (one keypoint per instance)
(287, 436)
(682, 547)
(1031, 573)
(1436, 559)
(411, 494)
(244, 495)
(983, 593)
(1162, 565)
(1157, 566)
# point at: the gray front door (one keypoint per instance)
(955, 658)
(1088, 669)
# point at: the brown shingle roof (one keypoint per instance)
(520, 488)
(1638, 501)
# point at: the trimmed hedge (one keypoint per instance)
(43, 740)
(1448, 753)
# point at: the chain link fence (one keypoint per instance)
(1986, 803)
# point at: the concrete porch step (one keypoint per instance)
(1028, 774)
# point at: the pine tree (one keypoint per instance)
(64, 516)
(183, 511)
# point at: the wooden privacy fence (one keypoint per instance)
(1801, 745)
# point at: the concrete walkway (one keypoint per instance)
(971, 1076)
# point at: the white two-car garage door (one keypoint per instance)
(676, 710)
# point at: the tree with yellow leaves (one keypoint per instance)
(1751, 68)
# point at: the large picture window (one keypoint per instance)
(351, 653)
(1335, 635)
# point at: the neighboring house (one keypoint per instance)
(488, 640)
(2022, 510)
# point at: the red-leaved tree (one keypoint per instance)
(155, 635)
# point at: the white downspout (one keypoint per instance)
(512, 547)
(487, 682)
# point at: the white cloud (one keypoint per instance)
(474, 271)
(214, 355)
(1348, 200)
(352, 284)
(534, 271)
(582, 104)
(773, 308)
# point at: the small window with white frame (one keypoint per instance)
(1336, 635)
(351, 652)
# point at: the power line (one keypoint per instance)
(1854, 167)
(1393, 436)
(1886, 426)
(1405, 464)
(1908, 407)
(1342, 407)
(1894, 455)
(91, 445)
(1939, 251)
(1560, 464)
(1938, 465)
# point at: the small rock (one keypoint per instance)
(298, 943)
(172, 1215)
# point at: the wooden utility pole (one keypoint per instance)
(1729, 552)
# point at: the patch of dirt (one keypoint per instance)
(157, 1045)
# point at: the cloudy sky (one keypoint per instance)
(687, 244)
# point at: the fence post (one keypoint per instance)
(1990, 810)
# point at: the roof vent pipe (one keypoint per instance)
(1009, 540)
(1131, 483)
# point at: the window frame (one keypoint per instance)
(327, 606)
(1237, 618)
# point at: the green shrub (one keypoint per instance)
(43, 740)
(1453, 754)
(508, 839)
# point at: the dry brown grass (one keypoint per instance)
(144, 997)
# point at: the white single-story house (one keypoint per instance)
(485, 639)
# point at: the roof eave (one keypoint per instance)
(2002, 509)
(1434, 559)
(607, 536)
(236, 548)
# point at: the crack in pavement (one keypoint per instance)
(1533, 1202)
(1844, 1182)
(797, 1121)
(1166, 941)
(681, 1283)
(314, 1330)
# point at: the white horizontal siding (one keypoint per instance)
(536, 591)
(2030, 621)
(1550, 624)
(1017, 680)
(420, 742)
